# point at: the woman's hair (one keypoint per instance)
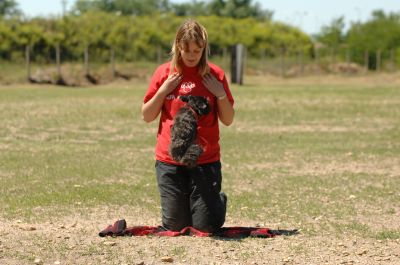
(190, 30)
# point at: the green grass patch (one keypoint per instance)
(388, 234)
(302, 156)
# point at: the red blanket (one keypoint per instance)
(119, 228)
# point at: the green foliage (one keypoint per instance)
(332, 35)
(125, 7)
(137, 37)
(225, 8)
(238, 9)
(6, 39)
(134, 30)
(9, 7)
(190, 9)
(381, 34)
(388, 234)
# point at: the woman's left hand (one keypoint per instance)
(213, 85)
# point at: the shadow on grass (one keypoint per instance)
(240, 233)
(283, 232)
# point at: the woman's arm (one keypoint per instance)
(226, 112)
(152, 108)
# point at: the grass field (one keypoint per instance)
(315, 156)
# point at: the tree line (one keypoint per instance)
(105, 36)
(364, 43)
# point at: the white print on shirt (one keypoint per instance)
(170, 97)
(187, 87)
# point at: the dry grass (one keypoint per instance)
(317, 154)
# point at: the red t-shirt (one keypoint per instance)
(208, 130)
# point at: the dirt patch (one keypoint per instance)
(388, 167)
(75, 240)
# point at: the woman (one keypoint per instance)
(190, 196)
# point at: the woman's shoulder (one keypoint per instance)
(216, 70)
(214, 67)
(163, 69)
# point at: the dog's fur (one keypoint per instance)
(183, 148)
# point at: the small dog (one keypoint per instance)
(183, 148)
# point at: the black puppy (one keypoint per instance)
(183, 148)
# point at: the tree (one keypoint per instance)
(367, 40)
(194, 8)
(115, 39)
(54, 36)
(108, 37)
(332, 36)
(87, 34)
(238, 9)
(7, 37)
(124, 7)
(28, 34)
(9, 7)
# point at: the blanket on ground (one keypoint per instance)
(119, 228)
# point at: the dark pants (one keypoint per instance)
(191, 196)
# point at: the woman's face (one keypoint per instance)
(191, 54)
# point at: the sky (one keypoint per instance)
(309, 15)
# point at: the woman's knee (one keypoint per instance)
(207, 222)
(175, 225)
(209, 227)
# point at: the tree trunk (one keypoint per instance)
(378, 60)
(348, 56)
(333, 56)
(58, 60)
(262, 58)
(28, 62)
(348, 61)
(301, 62)
(244, 61)
(366, 60)
(112, 61)
(392, 60)
(87, 72)
(282, 55)
(317, 67)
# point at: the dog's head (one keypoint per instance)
(198, 103)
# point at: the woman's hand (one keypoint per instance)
(170, 83)
(225, 108)
(213, 85)
(152, 108)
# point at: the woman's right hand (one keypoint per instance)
(170, 83)
(152, 108)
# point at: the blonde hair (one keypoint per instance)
(190, 30)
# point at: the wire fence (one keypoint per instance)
(53, 70)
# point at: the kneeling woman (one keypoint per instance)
(190, 196)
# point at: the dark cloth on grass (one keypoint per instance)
(119, 228)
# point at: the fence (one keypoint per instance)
(321, 60)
